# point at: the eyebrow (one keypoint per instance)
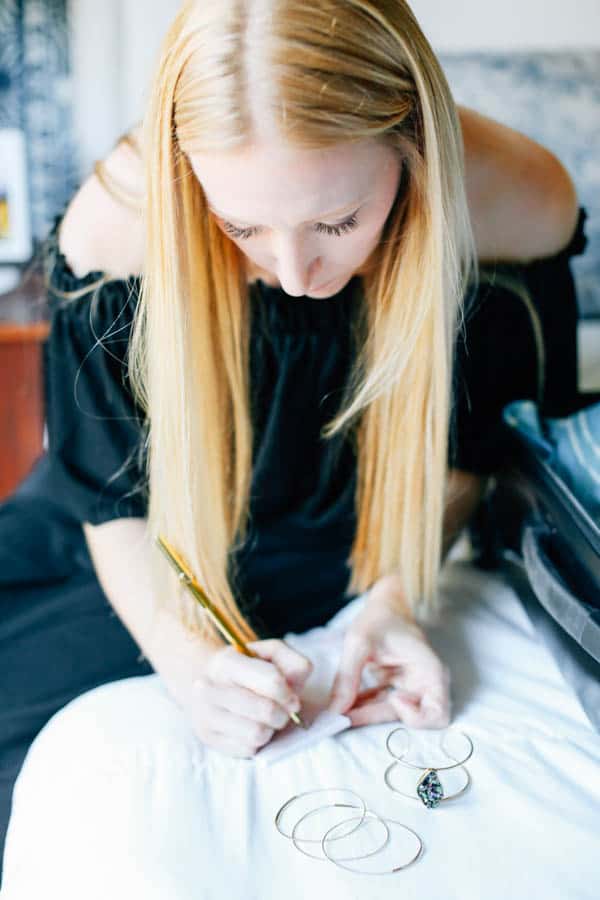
(337, 212)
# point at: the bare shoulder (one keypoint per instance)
(101, 229)
(522, 199)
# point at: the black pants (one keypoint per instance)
(59, 636)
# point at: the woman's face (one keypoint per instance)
(308, 218)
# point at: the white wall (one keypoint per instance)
(94, 33)
(115, 43)
(143, 26)
(509, 24)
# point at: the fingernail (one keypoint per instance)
(294, 704)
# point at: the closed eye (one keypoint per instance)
(337, 230)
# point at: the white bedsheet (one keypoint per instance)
(118, 799)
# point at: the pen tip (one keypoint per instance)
(298, 720)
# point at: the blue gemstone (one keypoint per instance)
(430, 789)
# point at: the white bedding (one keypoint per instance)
(118, 799)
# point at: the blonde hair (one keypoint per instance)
(375, 77)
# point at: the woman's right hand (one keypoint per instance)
(238, 702)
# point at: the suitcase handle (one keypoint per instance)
(571, 613)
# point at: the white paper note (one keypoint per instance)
(320, 723)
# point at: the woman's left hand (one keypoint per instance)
(413, 681)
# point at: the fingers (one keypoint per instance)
(390, 706)
(420, 673)
(228, 666)
(239, 701)
(295, 667)
(395, 709)
(246, 733)
(239, 718)
(435, 704)
(372, 713)
(245, 703)
(420, 715)
(355, 653)
(432, 688)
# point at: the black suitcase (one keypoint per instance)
(535, 528)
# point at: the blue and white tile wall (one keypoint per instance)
(35, 96)
(554, 98)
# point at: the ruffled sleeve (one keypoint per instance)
(95, 429)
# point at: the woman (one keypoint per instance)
(300, 264)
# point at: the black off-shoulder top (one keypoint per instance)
(292, 571)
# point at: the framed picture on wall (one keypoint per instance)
(15, 223)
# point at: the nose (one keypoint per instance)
(295, 275)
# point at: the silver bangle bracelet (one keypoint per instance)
(428, 789)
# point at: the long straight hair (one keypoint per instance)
(375, 77)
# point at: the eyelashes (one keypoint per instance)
(337, 230)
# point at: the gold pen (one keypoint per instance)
(227, 629)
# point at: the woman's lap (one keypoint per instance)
(138, 805)
(106, 750)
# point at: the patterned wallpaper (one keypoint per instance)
(35, 97)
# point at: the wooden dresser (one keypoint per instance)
(22, 408)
